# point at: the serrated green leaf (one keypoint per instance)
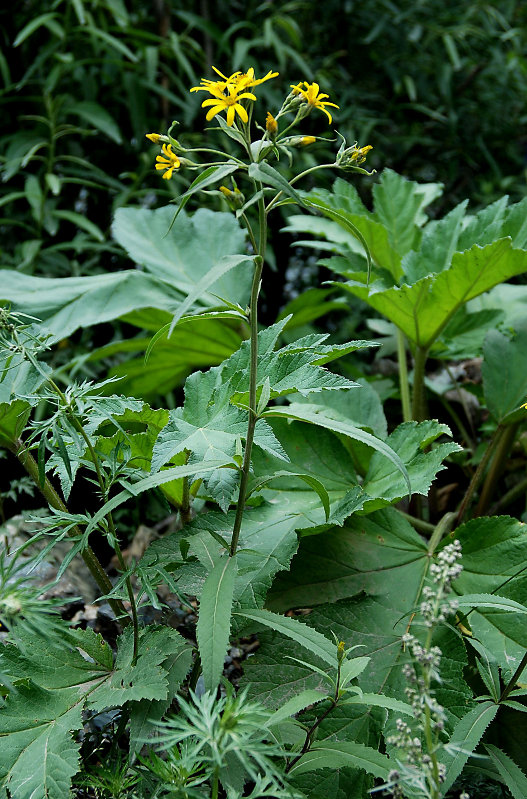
(466, 736)
(38, 756)
(410, 441)
(339, 754)
(491, 602)
(422, 310)
(512, 775)
(214, 619)
(312, 640)
(314, 414)
(398, 203)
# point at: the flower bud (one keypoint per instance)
(234, 198)
(271, 125)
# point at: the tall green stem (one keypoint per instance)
(403, 376)
(478, 474)
(505, 442)
(419, 394)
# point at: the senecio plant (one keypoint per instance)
(151, 715)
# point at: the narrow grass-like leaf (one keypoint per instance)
(513, 776)
(214, 620)
(313, 641)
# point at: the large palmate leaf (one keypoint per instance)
(187, 252)
(422, 310)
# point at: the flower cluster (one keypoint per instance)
(418, 765)
(234, 94)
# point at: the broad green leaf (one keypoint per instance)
(466, 736)
(398, 203)
(363, 407)
(209, 427)
(65, 304)
(410, 441)
(186, 253)
(438, 245)
(214, 619)
(13, 419)
(266, 545)
(422, 310)
(512, 775)
(316, 415)
(38, 756)
(504, 374)
(337, 754)
(312, 640)
(494, 563)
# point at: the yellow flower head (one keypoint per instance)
(271, 125)
(169, 163)
(228, 91)
(229, 102)
(313, 97)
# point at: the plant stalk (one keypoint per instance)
(419, 394)
(503, 446)
(478, 474)
(403, 376)
(19, 449)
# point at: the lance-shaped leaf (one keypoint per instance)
(269, 176)
(214, 619)
(206, 178)
(466, 736)
(313, 641)
(512, 775)
(338, 754)
(423, 309)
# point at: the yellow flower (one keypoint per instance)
(312, 95)
(169, 163)
(229, 102)
(240, 81)
(271, 125)
(153, 137)
(359, 155)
